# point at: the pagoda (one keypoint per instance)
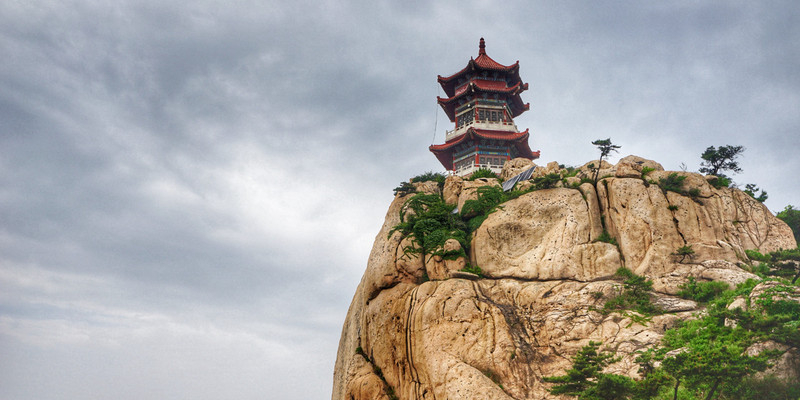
(482, 100)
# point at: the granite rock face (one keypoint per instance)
(544, 276)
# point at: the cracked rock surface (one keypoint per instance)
(544, 277)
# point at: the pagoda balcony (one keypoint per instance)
(488, 125)
(469, 169)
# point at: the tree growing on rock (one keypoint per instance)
(791, 216)
(606, 148)
(723, 159)
(751, 189)
(587, 381)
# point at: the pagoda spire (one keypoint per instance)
(482, 48)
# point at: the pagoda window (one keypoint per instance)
(465, 118)
(494, 116)
(481, 116)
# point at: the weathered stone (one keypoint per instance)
(515, 167)
(587, 170)
(363, 383)
(440, 268)
(633, 166)
(546, 234)
(551, 168)
(673, 304)
(453, 185)
(460, 336)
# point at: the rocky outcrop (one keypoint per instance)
(545, 274)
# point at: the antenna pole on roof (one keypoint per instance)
(435, 117)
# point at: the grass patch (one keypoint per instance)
(473, 269)
(701, 292)
(606, 237)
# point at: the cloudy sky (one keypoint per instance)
(189, 190)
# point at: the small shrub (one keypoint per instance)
(428, 177)
(672, 207)
(548, 181)
(635, 294)
(586, 380)
(765, 388)
(702, 292)
(569, 171)
(791, 216)
(404, 189)
(606, 237)
(473, 269)
(756, 256)
(751, 190)
(646, 170)
(482, 173)
(683, 252)
(408, 187)
(720, 181)
(672, 183)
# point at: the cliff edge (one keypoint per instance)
(420, 328)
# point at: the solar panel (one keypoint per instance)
(523, 176)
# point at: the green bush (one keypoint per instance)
(587, 381)
(646, 170)
(473, 269)
(782, 263)
(408, 187)
(428, 177)
(606, 237)
(548, 181)
(635, 294)
(482, 173)
(430, 222)
(569, 171)
(791, 216)
(751, 189)
(683, 252)
(766, 388)
(404, 189)
(702, 291)
(673, 182)
(720, 181)
(755, 255)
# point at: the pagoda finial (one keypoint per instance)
(482, 47)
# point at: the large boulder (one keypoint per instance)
(545, 276)
(514, 167)
(546, 234)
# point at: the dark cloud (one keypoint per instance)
(191, 190)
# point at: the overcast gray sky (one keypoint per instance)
(189, 190)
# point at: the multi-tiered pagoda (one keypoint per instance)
(482, 100)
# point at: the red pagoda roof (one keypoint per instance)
(481, 85)
(483, 62)
(444, 152)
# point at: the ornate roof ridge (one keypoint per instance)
(482, 62)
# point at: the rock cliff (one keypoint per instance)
(418, 329)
